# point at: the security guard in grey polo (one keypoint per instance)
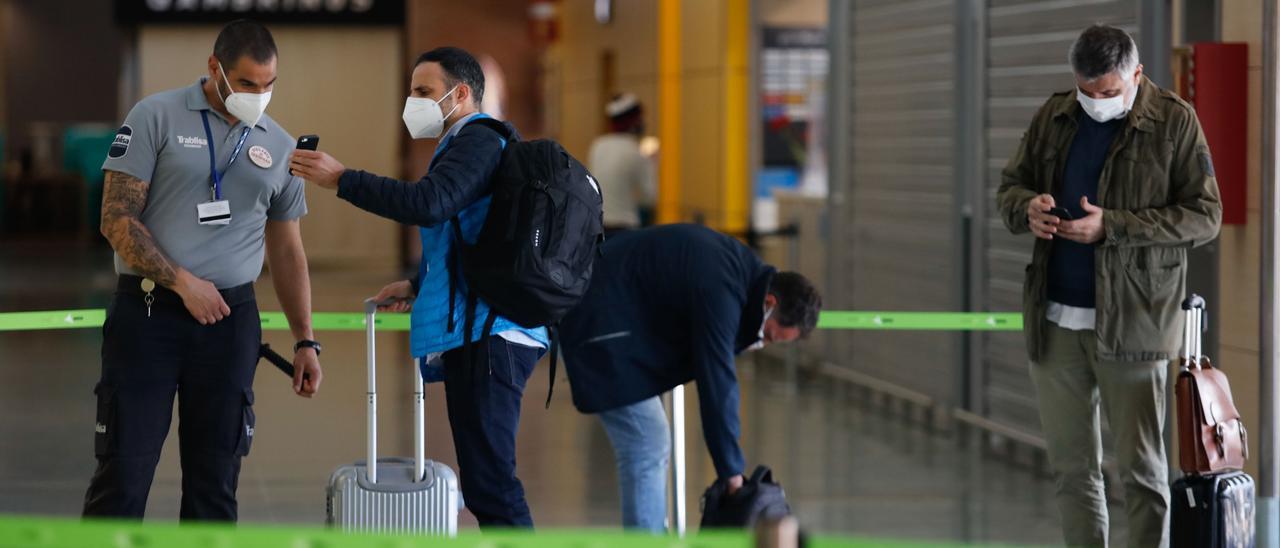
(197, 189)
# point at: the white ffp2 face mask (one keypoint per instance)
(248, 107)
(1108, 109)
(423, 117)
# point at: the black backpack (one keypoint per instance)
(532, 260)
(759, 498)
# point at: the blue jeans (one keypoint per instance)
(641, 443)
(484, 394)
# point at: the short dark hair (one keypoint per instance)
(244, 37)
(798, 302)
(459, 68)
(1101, 50)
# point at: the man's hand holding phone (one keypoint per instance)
(306, 142)
(1040, 217)
(1087, 229)
(316, 167)
(1062, 213)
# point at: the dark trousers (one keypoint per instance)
(484, 411)
(145, 362)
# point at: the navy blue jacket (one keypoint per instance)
(668, 305)
(457, 183)
(455, 180)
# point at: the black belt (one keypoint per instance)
(132, 285)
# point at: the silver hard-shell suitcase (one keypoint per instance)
(396, 494)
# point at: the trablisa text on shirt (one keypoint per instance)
(193, 142)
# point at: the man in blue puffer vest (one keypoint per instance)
(484, 392)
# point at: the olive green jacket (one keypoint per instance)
(1159, 199)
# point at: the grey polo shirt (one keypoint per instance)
(163, 142)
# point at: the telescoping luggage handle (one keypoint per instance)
(419, 434)
(1193, 334)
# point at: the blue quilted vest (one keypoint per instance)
(429, 322)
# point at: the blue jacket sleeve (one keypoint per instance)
(715, 317)
(457, 179)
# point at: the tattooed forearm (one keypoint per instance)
(123, 198)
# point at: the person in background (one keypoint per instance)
(625, 173)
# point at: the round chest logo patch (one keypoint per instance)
(259, 156)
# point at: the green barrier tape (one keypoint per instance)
(52, 319)
(922, 321)
(90, 318)
(348, 321)
(63, 533)
(340, 321)
(34, 532)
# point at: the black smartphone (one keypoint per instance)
(1061, 213)
(307, 142)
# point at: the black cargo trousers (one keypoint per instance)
(146, 360)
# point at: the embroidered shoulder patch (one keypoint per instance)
(120, 146)
(1206, 161)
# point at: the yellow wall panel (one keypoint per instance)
(736, 189)
(671, 121)
(703, 35)
(700, 174)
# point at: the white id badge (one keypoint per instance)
(214, 213)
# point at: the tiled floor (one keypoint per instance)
(846, 469)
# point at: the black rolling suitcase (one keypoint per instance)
(1209, 509)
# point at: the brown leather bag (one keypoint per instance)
(1211, 436)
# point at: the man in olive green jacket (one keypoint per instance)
(1115, 180)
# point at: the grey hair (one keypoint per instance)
(1101, 50)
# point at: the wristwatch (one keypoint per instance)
(307, 343)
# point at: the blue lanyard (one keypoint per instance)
(213, 163)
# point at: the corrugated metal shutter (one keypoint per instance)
(898, 212)
(893, 207)
(1027, 62)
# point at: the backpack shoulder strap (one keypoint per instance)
(497, 126)
(553, 333)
